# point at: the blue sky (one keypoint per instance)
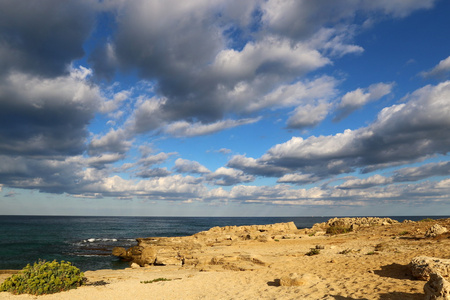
(225, 108)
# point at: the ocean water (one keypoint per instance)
(87, 242)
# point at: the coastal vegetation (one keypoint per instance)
(333, 230)
(44, 278)
(156, 280)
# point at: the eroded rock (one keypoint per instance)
(437, 288)
(423, 266)
(435, 230)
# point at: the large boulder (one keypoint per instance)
(423, 266)
(437, 288)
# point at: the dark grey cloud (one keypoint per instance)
(43, 37)
(155, 172)
(422, 172)
(45, 175)
(227, 177)
(45, 116)
(189, 166)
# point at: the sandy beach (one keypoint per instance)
(369, 263)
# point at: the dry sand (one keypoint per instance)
(369, 264)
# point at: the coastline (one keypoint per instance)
(368, 263)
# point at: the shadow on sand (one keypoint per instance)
(395, 271)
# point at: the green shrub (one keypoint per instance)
(338, 230)
(44, 278)
(313, 251)
(156, 280)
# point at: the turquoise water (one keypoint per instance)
(88, 241)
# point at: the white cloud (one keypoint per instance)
(354, 100)
(401, 134)
(186, 129)
(266, 56)
(366, 182)
(308, 115)
(439, 71)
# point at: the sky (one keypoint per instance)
(225, 108)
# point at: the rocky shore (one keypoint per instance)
(343, 258)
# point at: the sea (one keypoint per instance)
(87, 242)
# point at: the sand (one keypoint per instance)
(371, 263)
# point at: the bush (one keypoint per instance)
(156, 280)
(338, 230)
(313, 251)
(44, 278)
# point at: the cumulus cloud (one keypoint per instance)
(308, 116)
(440, 71)
(228, 176)
(253, 58)
(354, 100)
(401, 134)
(189, 166)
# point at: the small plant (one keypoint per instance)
(44, 278)
(371, 253)
(312, 234)
(333, 230)
(313, 251)
(156, 280)
(404, 233)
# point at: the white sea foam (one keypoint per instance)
(93, 240)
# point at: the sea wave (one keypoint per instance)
(93, 240)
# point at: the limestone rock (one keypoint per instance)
(185, 250)
(437, 288)
(168, 261)
(423, 266)
(119, 252)
(148, 255)
(135, 266)
(435, 230)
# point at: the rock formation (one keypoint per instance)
(423, 266)
(435, 230)
(437, 288)
(186, 251)
(351, 223)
